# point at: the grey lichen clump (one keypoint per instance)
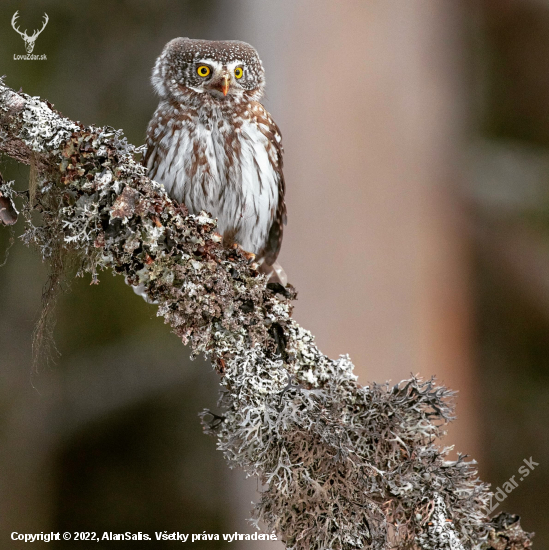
(341, 466)
(344, 466)
(507, 534)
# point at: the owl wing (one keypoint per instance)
(149, 157)
(271, 131)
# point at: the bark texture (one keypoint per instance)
(342, 466)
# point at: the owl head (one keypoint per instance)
(222, 70)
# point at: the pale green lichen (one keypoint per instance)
(341, 466)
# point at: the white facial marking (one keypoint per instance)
(216, 65)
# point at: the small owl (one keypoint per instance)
(214, 147)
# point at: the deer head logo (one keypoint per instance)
(29, 40)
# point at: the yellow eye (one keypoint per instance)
(238, 72)
(203, 70)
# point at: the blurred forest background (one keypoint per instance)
(417, 166)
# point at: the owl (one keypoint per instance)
(214, 147)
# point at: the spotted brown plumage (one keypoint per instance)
(213, 145)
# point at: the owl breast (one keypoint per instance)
(223, 162)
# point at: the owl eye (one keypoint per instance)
(203, 70)
(238, 72)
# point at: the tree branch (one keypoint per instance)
(342, 466)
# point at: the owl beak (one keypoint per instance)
(225, 83)
(221, 83)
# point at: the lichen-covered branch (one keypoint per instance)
(341, 466)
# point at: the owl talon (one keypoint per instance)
(250, 256)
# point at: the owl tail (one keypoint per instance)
(275, 273)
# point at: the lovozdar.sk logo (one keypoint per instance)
(29, 40)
